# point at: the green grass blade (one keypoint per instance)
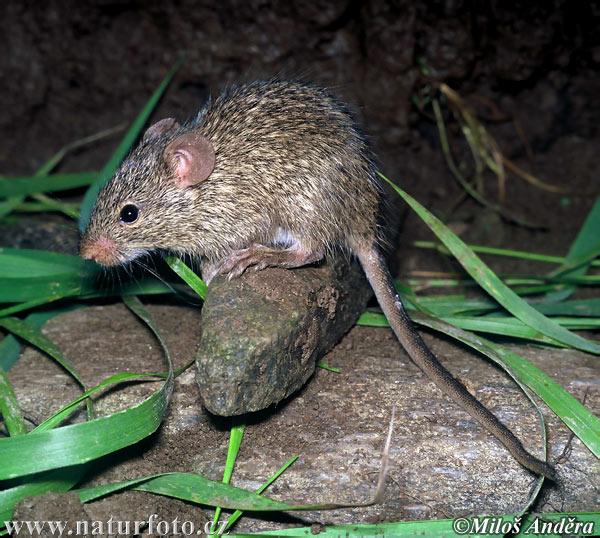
(36, 338)
(27, 290)
(192, 488)
(27, 305)
(585, 280)
(580, 262)
(236, 515)
(62, 414)
(373, 319)
(135, 305)
(10, 409)
(327, 367)
(20, 263)
(507, 326)
(60, 154)
(143, 286)
(578, 314)
(58, 481)
(585, 425)
(6, 206)
(493, 285)
(10, 347)
(442, 306)
(235, 440)
(96, 492)
(79, 443)
(29, 275)
(123, 148)
(201, 490)
(498, 326)
(198, 489)
(35, 275)
(577, 418)
(509, 281)
(22, 186)
(25, 186)
(501, 252)
(187, 275)
(443, 528)
(581, 307)
(587, 240)
(449, 306)
(46, 204)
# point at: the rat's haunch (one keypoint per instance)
(268, 174)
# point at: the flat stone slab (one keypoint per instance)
(442, 463)
(263, 333)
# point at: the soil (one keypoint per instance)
(529, 71)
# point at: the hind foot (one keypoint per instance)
(260, 257)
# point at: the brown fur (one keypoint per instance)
(293, 179)
(288, 156)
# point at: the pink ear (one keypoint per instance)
(159, 128)
(193, 156)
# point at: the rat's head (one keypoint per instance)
(148, 202)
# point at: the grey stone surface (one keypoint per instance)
(442, 463)
(263, 333)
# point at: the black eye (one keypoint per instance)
(129, 214)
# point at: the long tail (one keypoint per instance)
(381, 282)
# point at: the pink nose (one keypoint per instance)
(103, 250)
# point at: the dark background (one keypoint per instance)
(529, 70)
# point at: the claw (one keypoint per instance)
(237, 262)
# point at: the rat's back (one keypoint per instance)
(283, 163)
(293, 151)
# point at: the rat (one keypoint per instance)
(269, 174)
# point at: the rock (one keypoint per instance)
(442, 463)
(263, 333)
